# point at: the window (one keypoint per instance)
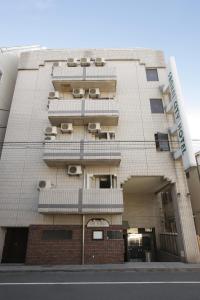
(114, 235)
(57, 234)
(156, 106)
(97, 235)
(152, 74)
(105, 135)
(162, 142)
(106, 181)
(187, 175)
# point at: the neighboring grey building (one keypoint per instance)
(91, 170)
(193, 178)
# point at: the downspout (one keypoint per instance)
(83, 240)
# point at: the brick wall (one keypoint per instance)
(41, 251)
(103, 251)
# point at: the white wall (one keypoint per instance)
(8, 67)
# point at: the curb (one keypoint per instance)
(139, 269)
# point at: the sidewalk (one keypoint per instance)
(126, 267)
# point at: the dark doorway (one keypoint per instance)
(140, 245)
(14, 250)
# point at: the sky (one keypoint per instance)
(172, 26)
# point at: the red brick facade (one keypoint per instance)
(103, 251)
(40, 251)
(69, 251)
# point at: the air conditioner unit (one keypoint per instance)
(78, 93)
(94, 127)
(85, 61)
(66, 127)
(99, 61)
(51, 130)
(54, 95)
(43, 185)
(49, 138)
(94, 93)
(72, 62)
(74, 170)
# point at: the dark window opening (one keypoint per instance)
(187, 175)
(103, 136)
(57, 234)
(152, 74)
(162, 142)
(156, 106)
(114, 235)
(105, 182)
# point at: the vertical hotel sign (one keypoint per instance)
(180, 116)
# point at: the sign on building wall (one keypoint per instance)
(98, 223)
(184, 139)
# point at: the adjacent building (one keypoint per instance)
(193, 178)
(9, 58)
(94, 159)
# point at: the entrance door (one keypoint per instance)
(139, 243)
(15, 245)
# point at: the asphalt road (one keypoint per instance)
(100, 285)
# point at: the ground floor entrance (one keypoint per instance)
(15, 245)
(139, 245)
(150, 231)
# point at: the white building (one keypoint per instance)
(9, 58)
(91, 170)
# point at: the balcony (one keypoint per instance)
(82, 112)
(65, 79)
(79, 201)
(82, 153)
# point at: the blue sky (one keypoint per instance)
(173, 26)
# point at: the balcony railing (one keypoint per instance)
(65, 78)
(78, 201)
(80, 112)
(83, 152)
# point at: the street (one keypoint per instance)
(100, 285)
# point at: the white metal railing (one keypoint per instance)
(83, 150)
(80, 201)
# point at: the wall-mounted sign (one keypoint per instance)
(180, 116)
(97, 235)
(98, 223)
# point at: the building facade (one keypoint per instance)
(91, 169)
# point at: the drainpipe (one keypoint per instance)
(83, 241)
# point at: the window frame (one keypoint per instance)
(97, 239)
(159, 142)
(148, 76)
(152, 106)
